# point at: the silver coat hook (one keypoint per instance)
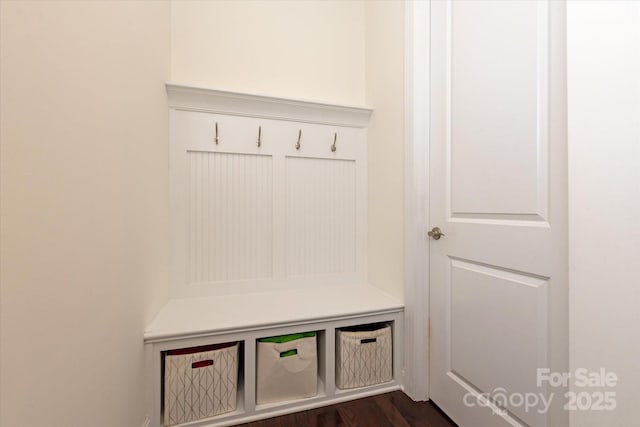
(335, 138)
(217, 139)
(299, 137)
(259, 135)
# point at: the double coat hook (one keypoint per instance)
(333, 146)
(259, 136)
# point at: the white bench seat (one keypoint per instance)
(187, 317)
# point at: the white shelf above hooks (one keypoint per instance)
(182, 96)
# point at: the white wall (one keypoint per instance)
(83, 202)
(345, 52)
(385, 94)
(604, 200)
(83, 207)
(83, 196)
(299, 49)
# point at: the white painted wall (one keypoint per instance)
(84, 179)
(385, 94)
(83, 176)
(299, 49)
(84, 207)
(348, 52)
(604, 199)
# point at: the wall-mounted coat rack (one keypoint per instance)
(298, 144)
(249, 216)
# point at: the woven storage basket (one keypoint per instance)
(200, 382)
(363, 356)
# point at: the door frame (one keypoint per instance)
(416, 198)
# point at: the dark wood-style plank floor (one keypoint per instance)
(386, 410)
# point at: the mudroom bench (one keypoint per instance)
(269, 309)
(195, 322)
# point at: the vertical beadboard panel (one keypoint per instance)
(320, 216)
(229, 217)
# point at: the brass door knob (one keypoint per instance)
(436, 233)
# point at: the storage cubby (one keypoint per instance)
(201, 382)
(364, 355)
(286, 367)
(305, 375)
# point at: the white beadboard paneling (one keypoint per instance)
(320, 216)
(229, 217)
(217, 244)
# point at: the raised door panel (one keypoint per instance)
(498, 332)
(497, 110)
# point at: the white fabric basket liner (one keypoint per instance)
(364, 357)
(193, 392)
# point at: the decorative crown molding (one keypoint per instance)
(184, 97)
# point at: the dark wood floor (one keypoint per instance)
(385, 410)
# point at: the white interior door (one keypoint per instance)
(498, 277)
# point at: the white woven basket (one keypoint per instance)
(364, 358)
(200, 385)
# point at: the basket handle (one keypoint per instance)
(289, 353)
(201, 364)
(368, 340)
